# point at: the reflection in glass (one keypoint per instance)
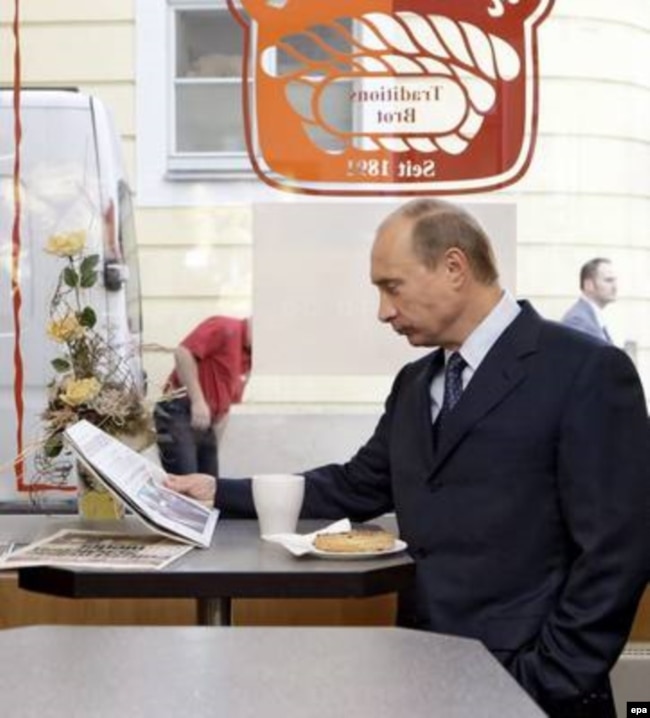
(327, 109)
(209, 118)
(208, 44)
(320, 44)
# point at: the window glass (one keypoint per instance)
(209, 118)
(321, 44)
(128, 246)
(207, 114)
(208, 44)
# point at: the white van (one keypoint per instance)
(71, 177)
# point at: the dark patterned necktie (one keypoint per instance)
(453, 389)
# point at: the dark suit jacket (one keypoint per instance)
(581, 316)
(530, 524)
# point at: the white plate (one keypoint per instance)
(397, 548)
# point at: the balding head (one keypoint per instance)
(436, 226)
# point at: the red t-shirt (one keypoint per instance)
(219, 345)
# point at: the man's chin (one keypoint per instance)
(417, 339)
(414, 339)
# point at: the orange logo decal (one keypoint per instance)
(365, 97)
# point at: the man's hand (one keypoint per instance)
(188, 372)
(201, 418)
(201, 487)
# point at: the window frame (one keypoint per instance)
(195, 165)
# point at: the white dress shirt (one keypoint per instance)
(476, 346)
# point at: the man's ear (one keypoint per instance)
(456, 265)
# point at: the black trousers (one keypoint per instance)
(182, 449)
(598, 704)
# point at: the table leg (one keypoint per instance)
(214, 611)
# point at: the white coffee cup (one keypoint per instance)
(278, 500)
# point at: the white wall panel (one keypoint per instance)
(291, 442)
(198, 226)
(624, 12)
(583, 219)
(594, 49)
(195, 271)
(72, 54)
(590, 165)
(593, 115)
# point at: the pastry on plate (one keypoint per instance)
(355, 541)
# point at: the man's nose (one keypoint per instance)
(386, 310)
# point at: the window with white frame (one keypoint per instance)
(205, 122)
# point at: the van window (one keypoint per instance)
(128, 247)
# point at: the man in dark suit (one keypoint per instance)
(516, 458)
(599, 287)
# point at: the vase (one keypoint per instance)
(94, 501)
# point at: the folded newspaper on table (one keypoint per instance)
(138, 482)
(95, 549)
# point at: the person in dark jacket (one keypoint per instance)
(516, 457)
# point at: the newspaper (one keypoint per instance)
(97, 549)
(6, 548)
(137, 482)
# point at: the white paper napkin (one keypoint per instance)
(301, 544)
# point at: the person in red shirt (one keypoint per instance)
(212, 364)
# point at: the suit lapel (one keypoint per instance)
(498, 375)
(423, 412)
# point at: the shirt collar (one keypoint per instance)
(480, 341)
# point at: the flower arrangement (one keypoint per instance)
(92, 381)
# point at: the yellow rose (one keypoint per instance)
(65, 329)
(79, 391)
(66, 244)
